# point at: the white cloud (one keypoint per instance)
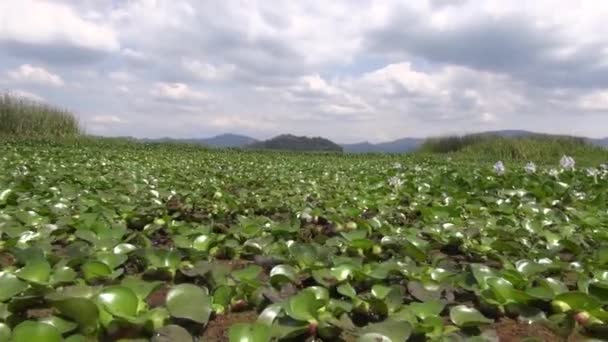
(398, 78)
(38, 75)
(120, 76)
(106, 119)
(347, 70)
(45, 22)
(123, 89)
(596, 101)
(207, 71)
(176, 92)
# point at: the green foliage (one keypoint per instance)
(102, 239)
(538, 148)
(20, 117)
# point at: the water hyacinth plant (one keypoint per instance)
(499, 168)
(530, 168)
(139, 242)
(567, 163)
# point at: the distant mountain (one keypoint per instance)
(395, 146)
(410, 144)
(599, 142)
(303, 143)
(290, 142)
(218, 141)
(228, 140)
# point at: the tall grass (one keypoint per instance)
(538, 148)
(22, 117)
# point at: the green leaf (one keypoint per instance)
(29, 331)
(163, 259)
(111, 259)
(303, 306)
(63, 274)
(76, 338)
(250, 272)
(464, 316)
(380, 291)
(189, 302)
(389, 331)
(61, 324)
(431, 308)
(172, 333)
(95, 269)
(81, 310)
(140, 287)
(119, 301)
(283, 273)
(124, 248)
(202, 243)
(37, 271)
(10, 286)
(5, 332)
(481, 274)
(244, 332)
(347, 290)
(578, 301)
(269, 314)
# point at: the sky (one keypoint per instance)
(348, 70)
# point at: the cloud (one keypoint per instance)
(120, 76)
(30, 26)
(30, 74)
(348, 70)
(206, 71)
(596, 101)
(176, 92)
(106, 119)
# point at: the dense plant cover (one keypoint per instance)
(22, 117)
(537, 147)
(110, 241)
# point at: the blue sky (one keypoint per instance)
(348, 70)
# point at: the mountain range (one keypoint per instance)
(394, 146)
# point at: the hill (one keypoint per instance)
(405, 145)
(228, 140)
(290, 142)
(395, 146)
(219, 141)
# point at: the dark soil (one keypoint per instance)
(217, 329)
(37, 313)
(158, 297)
(509, 330)
(162, 239)
(6, 260)
(134, 265)
(234, 264)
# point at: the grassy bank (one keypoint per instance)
(21, 117)
(540, 148)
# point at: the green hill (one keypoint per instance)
(288, 142)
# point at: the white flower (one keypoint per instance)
(567, 162)
(397, 165)
(553, 173)
(395, 182)
(592, 172)
(604, 167)
(499, 167)
(530, 168)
